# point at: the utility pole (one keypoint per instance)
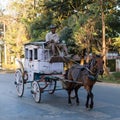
(5, 48)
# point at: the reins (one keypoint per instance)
(89, 70)
(84, 67)
(70, 59)
(94, 74)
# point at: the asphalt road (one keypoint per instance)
(12, 107)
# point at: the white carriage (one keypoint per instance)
(38, 70)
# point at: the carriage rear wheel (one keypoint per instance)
(19, 82)
(52, 86)
(36, 91)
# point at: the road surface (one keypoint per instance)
(55, 107)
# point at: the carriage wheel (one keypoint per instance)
(52, 86)
(36, 92)
(19, 82)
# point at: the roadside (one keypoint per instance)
(103, 83)
(7, 70)
(112, 78)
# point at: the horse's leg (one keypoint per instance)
(69, 98)
(76, 94)
(92, 103)
(87, 101)
(89, 97)
(72, 95)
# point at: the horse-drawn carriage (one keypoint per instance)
(38, 70)
(43, 71)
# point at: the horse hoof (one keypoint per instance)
(78, 104)
(70, 104)
(72, 97)
(91, 106)
(88, 109)
(87, 106)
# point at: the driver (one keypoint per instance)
(52, 40)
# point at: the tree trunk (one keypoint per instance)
(103, 38)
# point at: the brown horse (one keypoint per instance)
(86, 76)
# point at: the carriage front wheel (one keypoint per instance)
(19, 82)
(36, 91)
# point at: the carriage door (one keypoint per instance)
(31, 64)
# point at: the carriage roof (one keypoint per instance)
(34, 44)
(41, 47)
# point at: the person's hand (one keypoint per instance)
(58, 42)
(48, 42)
(52, 41)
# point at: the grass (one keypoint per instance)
(112, 78)
(9, 68)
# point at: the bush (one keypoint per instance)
(111, 64)
(112, 78)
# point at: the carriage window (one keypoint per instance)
(26, 53)
(35, 54)
(31, 55)
(46, 55)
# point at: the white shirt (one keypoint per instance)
(50, 36)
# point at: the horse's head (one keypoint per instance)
(96, 65)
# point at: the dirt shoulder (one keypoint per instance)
(7, 71)
(108, 84)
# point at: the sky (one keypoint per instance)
(3, 3)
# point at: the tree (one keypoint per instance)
(16, 32)
(79, 23)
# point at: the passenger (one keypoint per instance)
(53, 43)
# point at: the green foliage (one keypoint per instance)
(78, 21)
(112, 78)
(66, 35)
(113, 23)
(111, 64)
(85, 22)
(40, 26)
(116, 74)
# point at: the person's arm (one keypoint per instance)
(47, 37)
(57, 38)
(52, 38)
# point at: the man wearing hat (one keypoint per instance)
(52, 40)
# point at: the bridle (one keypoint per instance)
(93, 68)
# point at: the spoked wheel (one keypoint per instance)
(19, 82)
(52, 86)
(36, 92)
